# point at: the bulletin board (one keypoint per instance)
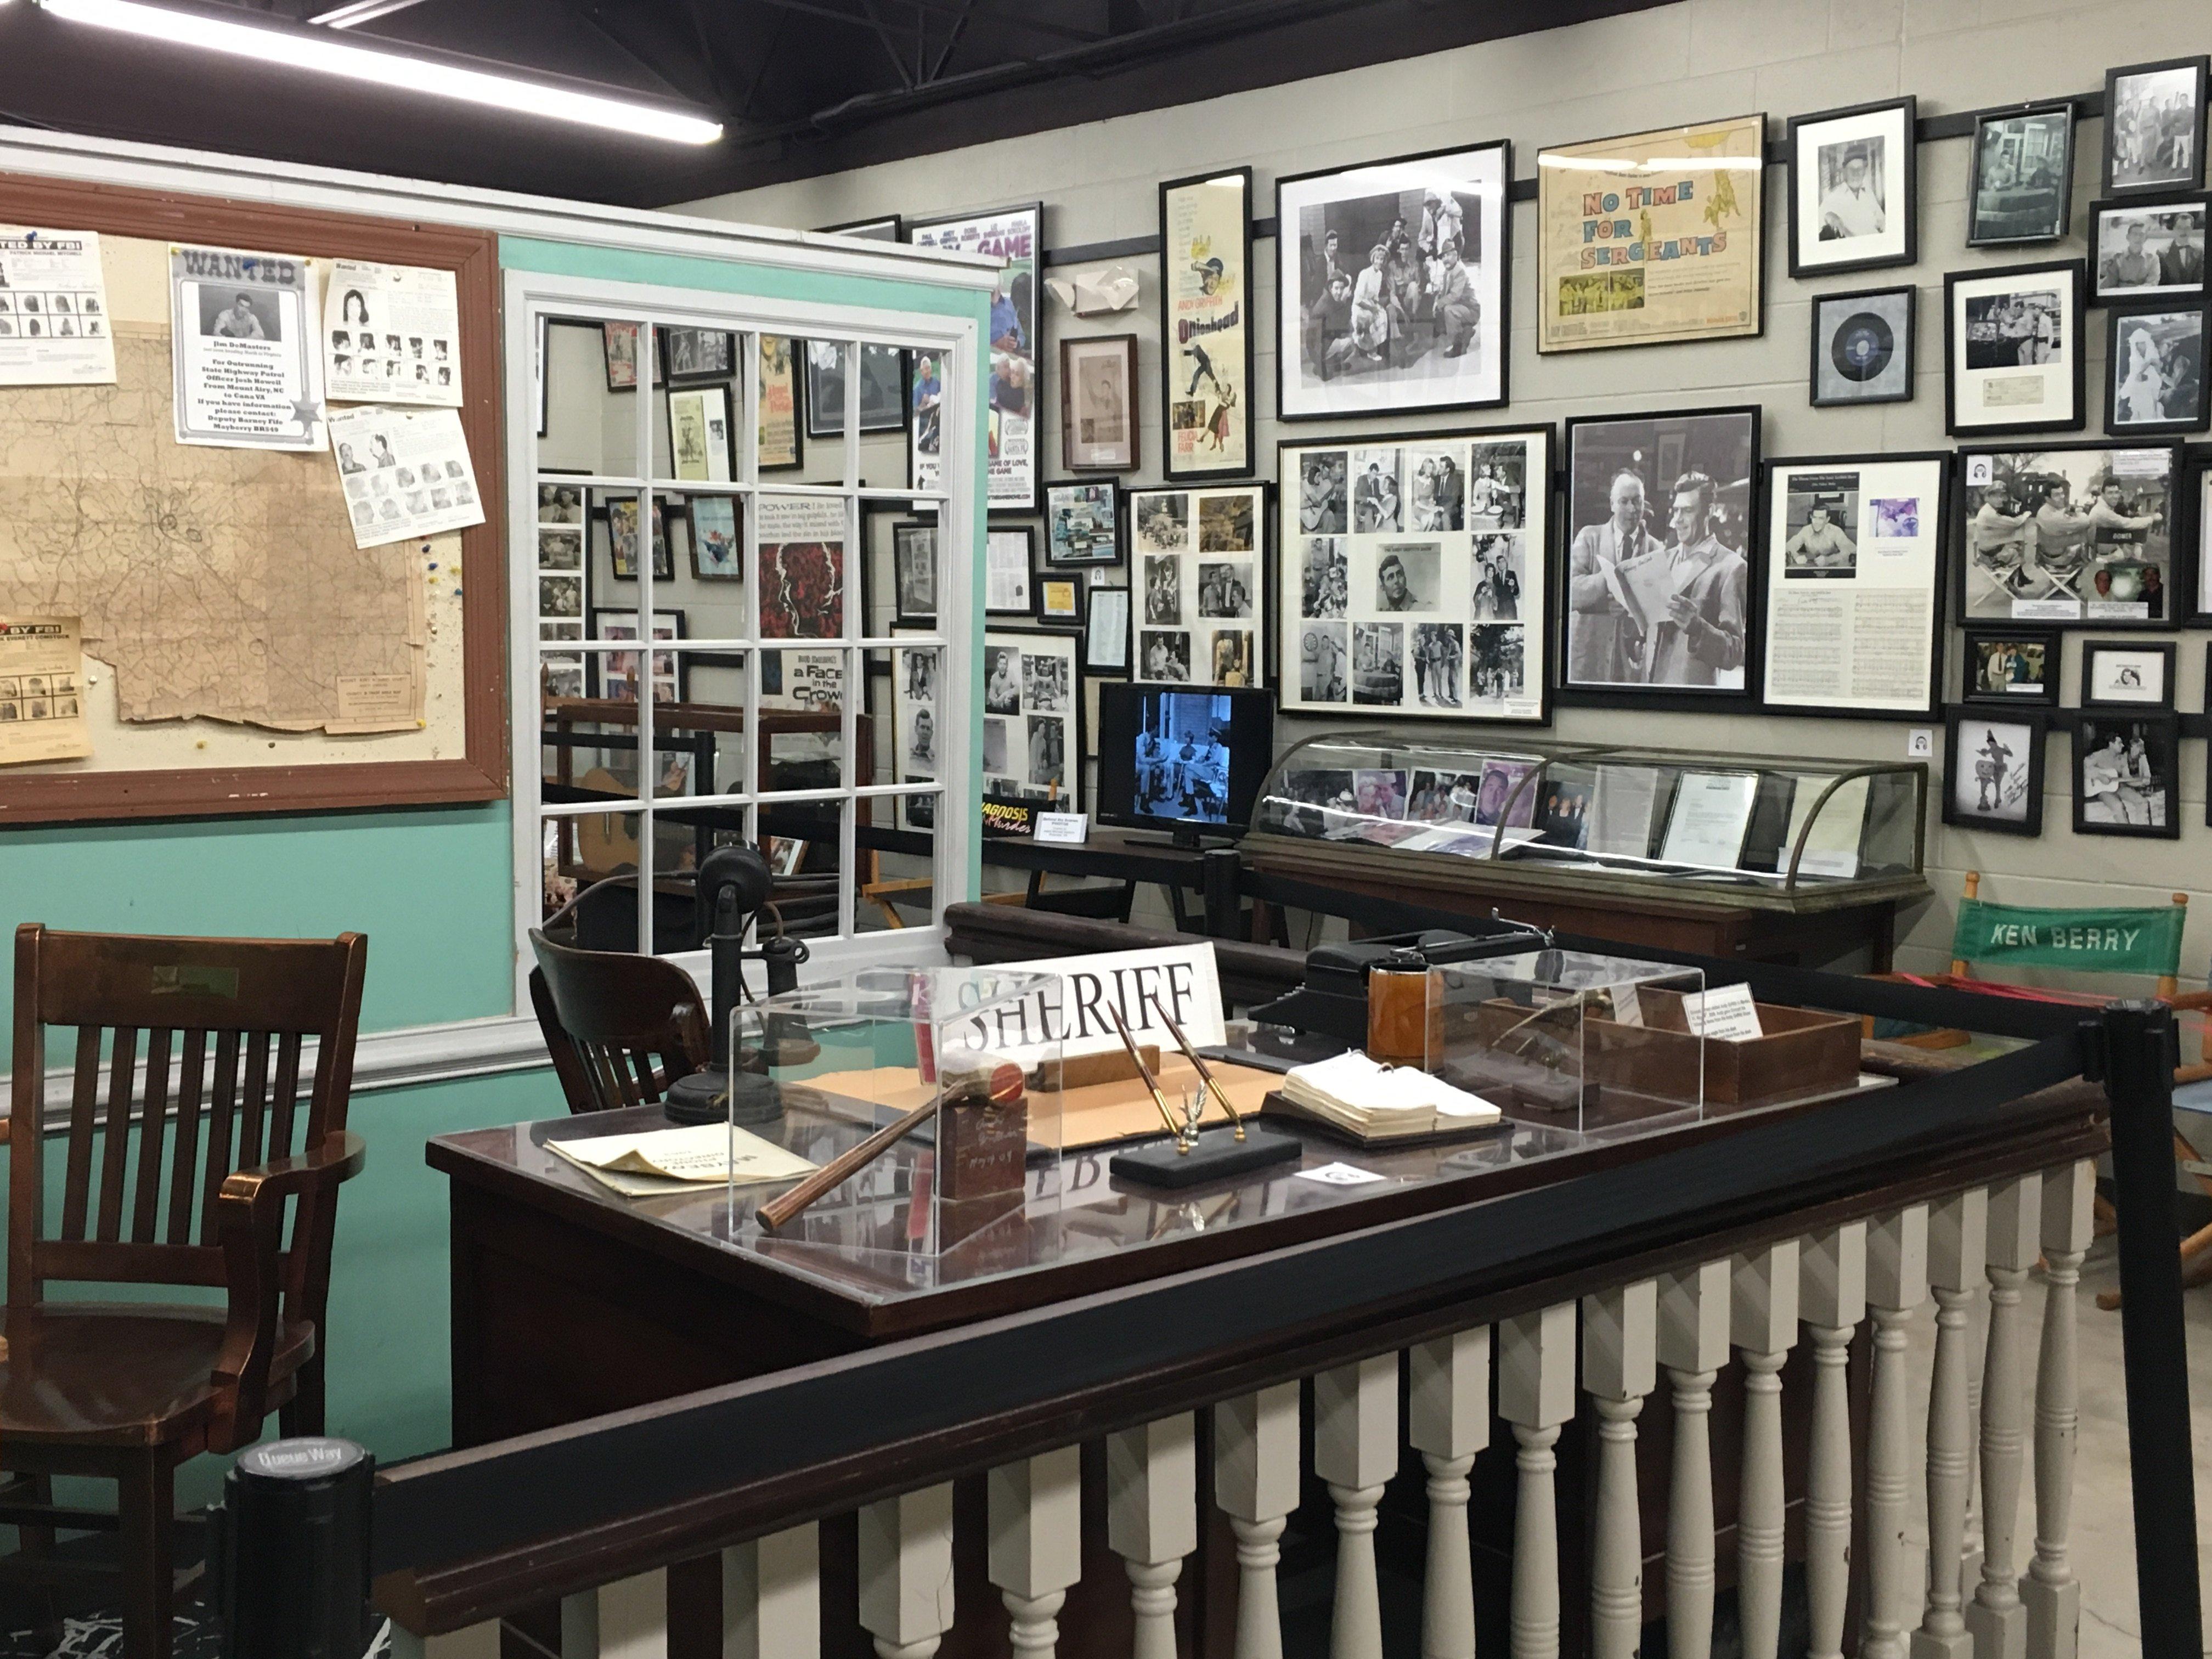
(220, 589)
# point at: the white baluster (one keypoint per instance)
(1997, 1618)
(1694, 1345)
(2050, 1591)
(1957, 1243)
(772, 1596)
(906, 1572)
(1036, 1509)
(1832, 1301)
(1897, 1283)
(1536, 1395)
(626, 1619)
(1255, 1482)
(1356, 1451)
(1448, 1404)
(476, 1641)
(1151, 1521)
(1764, 1328)
(579, 1626)
(1621, 1364)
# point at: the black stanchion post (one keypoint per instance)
(292, 1551)
(2140, 1049)
(1223, 898)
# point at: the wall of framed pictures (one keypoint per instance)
(2078, 245)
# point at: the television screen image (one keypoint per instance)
(1190, 761)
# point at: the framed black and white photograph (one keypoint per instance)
(2010, 666)
(2155, 370)
(1009, 556)
(1993, 770)
(917, 686)
(696, 354)
(1082, 523)
(913, 572)
(2196, 492)
(2128, 674)
(1657, 601)
(1033, 716)
(1098, 426)
(1412, 576)
(1059, 599)
(2148, 249)
(1391, 285)
(2012, 350)
(1863, 347)
(2154, 126)
(1106, 633)
(2068, 534)
(618, 345)
(1851, 586)
(2127, 775)
(1854, 189)
(2022, 190)
(882, 388)
(1199, 557)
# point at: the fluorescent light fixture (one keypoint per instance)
(393, 71)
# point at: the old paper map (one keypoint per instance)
(217, 582)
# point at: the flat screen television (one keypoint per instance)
(1190, 760)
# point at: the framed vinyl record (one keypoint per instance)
(1863, 347)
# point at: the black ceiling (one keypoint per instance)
(802, 86)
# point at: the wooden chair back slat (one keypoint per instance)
(620, 1027)
(221, 1123)
(184, 1161)
(288, 1096)
(115, 1146)
(83, 1109)
(146, 1207)
(253, 1104)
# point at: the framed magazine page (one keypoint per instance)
(1205, 326)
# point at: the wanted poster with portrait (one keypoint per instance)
(1196, 562)
(54, 326)
(1853, 547)
(392, 334)
(1412, 577)
(1016, 380)
(1652, 238)
(248, 373)
(802, 568)
(404, 473)
(1032, 715)
(42, 690)
(1205, 313)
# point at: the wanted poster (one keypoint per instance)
(247, 374)
(404, 474)
(53, 309)
(392, 334)
(42, 690)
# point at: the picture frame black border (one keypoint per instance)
(2194, 583)
(1030, 531)
(1263, 559)
(1129, 347)
(2077, 317)
(607, 362)
(733, 405)
(1939, 629)
(599, 497)
(2056, 628)
(836, 433)
(1128, 632)
(1114, 556)
(594, 661)
(1286, 251)
(2198, 421)
(2034, 716)
(669, 378)
(899, 617)
(1821, 302)
(738, 515)
(865, 228)
(2203, 64)
(2066, 188)
(544, 343)
(2149, 202)
(1081, 751)
(2053, 644)
(1674, 700)
(1037, 580)
(1034, 503)
(2166, 649)
(1909, 108)
(1212, 475)
(797, 412)
(2078, 720)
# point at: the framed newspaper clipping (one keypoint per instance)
(1652, 238)
(1206, 323)
(1414, 575)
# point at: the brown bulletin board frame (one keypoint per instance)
(238, 792)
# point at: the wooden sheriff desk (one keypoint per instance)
(568, 1302)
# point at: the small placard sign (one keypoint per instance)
(1072, 828)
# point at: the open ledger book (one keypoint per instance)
(1377, 1102)
(680, 1160)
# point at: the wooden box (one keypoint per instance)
(1802, 1053)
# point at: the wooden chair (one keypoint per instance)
(125, 1391)
(621, 1027)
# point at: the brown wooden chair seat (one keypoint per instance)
(119, 1371)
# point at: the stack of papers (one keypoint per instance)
(680, 1160)
(1377, 1102)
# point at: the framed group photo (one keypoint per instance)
(1205, 326)
(2154, 126)
(1993, 769)
(2010, 666)
(1198, 568)
(1854, 189)
(2155, 370)
(2022, 190)
(1656, 606)
(2151, 250)
(2127, 779)
(1863, 347)
(2068, 534)
(2013, 349)
(1392, 285)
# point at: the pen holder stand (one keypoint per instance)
(1215, 1155)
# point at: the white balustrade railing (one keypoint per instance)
(1970, 1594)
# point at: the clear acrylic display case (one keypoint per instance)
(1761, 830)
(1584, 1044)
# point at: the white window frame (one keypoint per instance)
(957, 343)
